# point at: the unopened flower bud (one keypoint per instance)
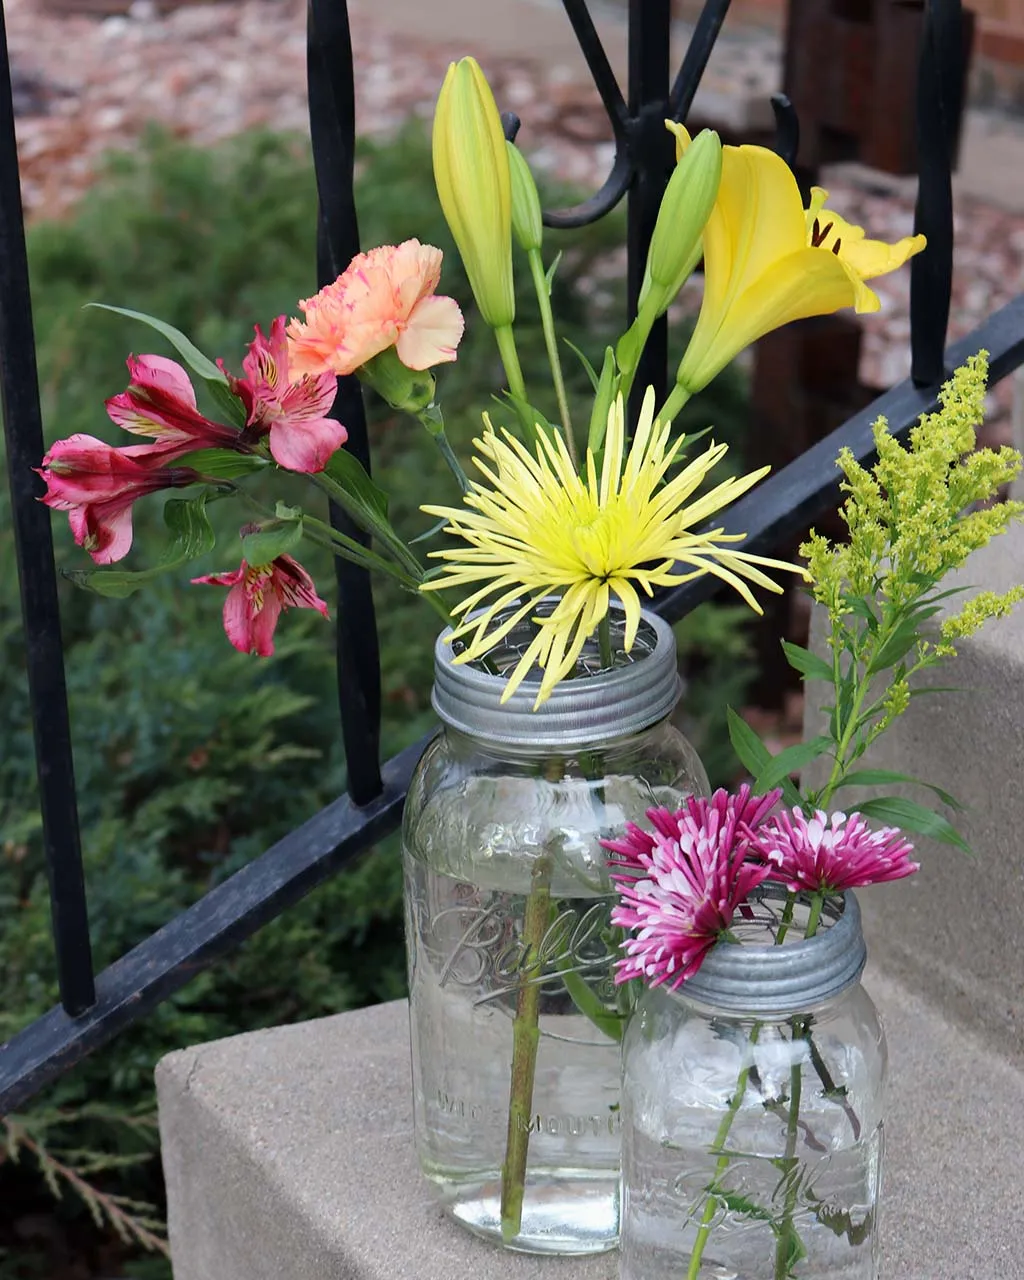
(527, 226)
(471, 170)
(685, 208)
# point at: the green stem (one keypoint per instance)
(547, 320)
(378, 528)
(434, 423)
(525, 1039)
(784, 1250)
(506, 341)
(721, 1168)
(604, 641)
(786, 920)
(817, 902)
(677, 398)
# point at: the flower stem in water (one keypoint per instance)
(723, 1162)
(525, 1039)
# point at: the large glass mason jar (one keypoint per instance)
(516, 1022)
(752, 1110)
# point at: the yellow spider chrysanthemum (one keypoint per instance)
(537, 529)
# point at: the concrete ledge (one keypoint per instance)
(953, 931)
(289, 1156)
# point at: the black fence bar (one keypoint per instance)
(653, 155)
(214, 926)
(939, 83)
(33, 542)
(332, 127)
(695, 61)
(165, 962)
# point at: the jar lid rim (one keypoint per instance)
(768, 980)
(580, 712)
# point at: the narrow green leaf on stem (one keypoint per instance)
(547, 318)
(909, 816)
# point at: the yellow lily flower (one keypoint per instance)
(471, 170)
(768, 261)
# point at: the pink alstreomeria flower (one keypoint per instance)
(302, 436)
(97, 484)
(259, 593)
(384, 298)
(829, 854)
(161, 402)
(680, 896)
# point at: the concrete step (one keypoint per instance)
(289, 1156)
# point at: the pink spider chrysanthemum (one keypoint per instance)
(738, 814)
(681, 884)
(831, 853)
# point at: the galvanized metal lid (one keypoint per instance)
(593, 706)
(762, 980)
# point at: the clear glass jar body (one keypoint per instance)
(723, 1177)
(516, 1022)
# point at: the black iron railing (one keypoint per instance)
(94, 1010)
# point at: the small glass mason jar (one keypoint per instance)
(516, 1021)
(752, 1110)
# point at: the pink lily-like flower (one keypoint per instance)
(829, 854)
(97, 484)
(384, 298)
(258, 596)
(679, 897)
(740, 813)
(161, 402)
(302, 436)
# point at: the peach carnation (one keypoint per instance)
(385, 298)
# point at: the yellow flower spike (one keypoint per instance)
(768, 261)
(471, 170)
(535, 528)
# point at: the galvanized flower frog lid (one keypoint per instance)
(596, 705)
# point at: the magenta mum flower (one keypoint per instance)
(739, 814)
(302, 436)
(161, 402)
(97, 485)
(681, 884)
(259, 594)
(829, 854)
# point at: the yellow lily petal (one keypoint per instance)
(768, 261)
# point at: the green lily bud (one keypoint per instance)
(526, 220)
(471, 170)
(607, 390)
(410, 390)
(685, 208)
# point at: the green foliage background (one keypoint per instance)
(191, 758)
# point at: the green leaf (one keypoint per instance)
(895, 646)
(591, 372)
(432, 532)
(885, 777)
(737, 1203)
(223, 464)
(807, 663)
(192, 536)
(859, 606)
(909, 816)
(549, 275)
(754, 755)
(789, 761)
(216, 382)
(348, 472)
(267, 544)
